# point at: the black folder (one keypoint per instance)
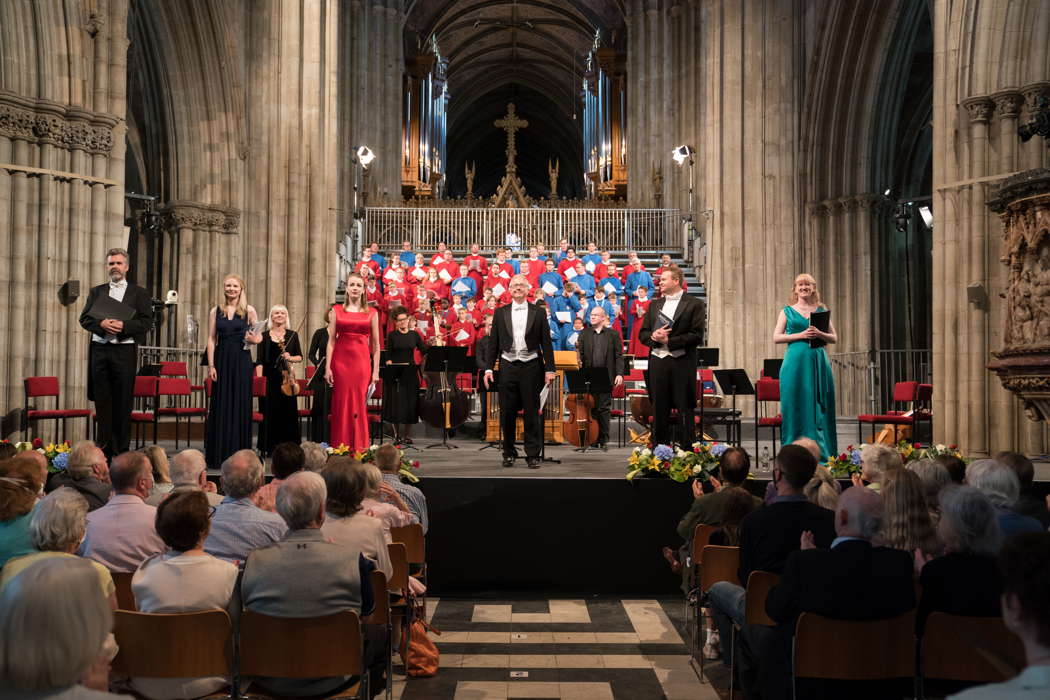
(821, 320)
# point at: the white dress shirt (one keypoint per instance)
(668, 310)
(519, 318)
(116, 291)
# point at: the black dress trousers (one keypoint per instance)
(113, 383)
(520, 384)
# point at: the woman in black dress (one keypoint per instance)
(229, 426)
(401, 399)
(279, 349)
(321, 403)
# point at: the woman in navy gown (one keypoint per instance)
(230, 324)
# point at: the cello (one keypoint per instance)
(580, 428)
(444, 405)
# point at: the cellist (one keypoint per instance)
(600, 346)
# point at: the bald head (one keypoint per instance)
(242, 474)
(811, 445)
(859, 513)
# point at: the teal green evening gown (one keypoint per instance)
(807, 390)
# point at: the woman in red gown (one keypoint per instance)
(353, 364)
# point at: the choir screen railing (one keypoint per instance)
(612, 228)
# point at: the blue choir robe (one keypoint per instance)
(637, 279)
(612, 285)
(469, 283)
(407, 258)
(586, 283)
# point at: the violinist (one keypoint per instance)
(401, 398)
(278, 353)
(600, 346)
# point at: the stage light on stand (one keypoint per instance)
(683, 153)
(927, 215)
(365, 155)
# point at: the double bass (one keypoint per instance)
(580, 428)
(444, 405)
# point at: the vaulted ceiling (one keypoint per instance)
(530, 52)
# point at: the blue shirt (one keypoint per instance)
(412, 496)
(564, 303)
(469, 283)
(555, 279)
(407, 258)
(379, 259)
(639, 278)
(513, 262)
(555, 333)
(238, 526)
(568, 342)
(595, 258)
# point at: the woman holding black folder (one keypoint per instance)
(401, 398)
(807, 388)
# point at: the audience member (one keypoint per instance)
(955, 466)
(388, 459)
(287, 458)
(1025, 566)
(87, 472)
(121, 534)
(315, 456)
(162, 485)
(345, 523)
(189, 472)
(964, 581)
(274, 584)
(7, 450)
(56, 530)
(1000, 483)
(40, 461)
(183, 579)
(934, 477)
(906, 523)
(1028, 503)
(739, 503)
(55, 637)
(813, 448)
(875, 460)
(20, 485)
(823, 489)
(238, 525)
(393, 514)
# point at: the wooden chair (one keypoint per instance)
(701, 536)
(403, 607)
(176, 645)
(122, 582)
(969, 649)
(759, 584)
(719, 564)
(381, 616)
(303, 647)
(828, 649)
(415, 548)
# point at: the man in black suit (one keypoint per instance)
(112, 358)
(673, 327)
(521, 340)
(599, 346)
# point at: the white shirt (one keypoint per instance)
(116, 291)
(519, 318)
(668, 310)
(1033, 682)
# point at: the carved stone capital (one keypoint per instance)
(979, 108)
(43, 121)
(817, 209)
(847, 204)
(95, 23)
(1008, 104)
(1033, 92)
(201, 217)
(868, 201)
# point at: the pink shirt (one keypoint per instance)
(388, 514)
(121, 534)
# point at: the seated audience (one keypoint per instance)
(388, 459)
(965, 580)
(906, 523)
(55, 639)
(238, 525)
(20, 485)
(814, 449)
(1001, 485)
(344, 522)
(392, 514)
(823, 489)
(121, 534)
(875, 460)
(314, 456)
(274, 584)
(831, 582)
(56, 530)
(1025, 565)
(7, 450)
(189, 472)
(87, 472)
(162, 485)
(934, 477)
(183, 579)
(955, 466)
(1028, 503)
(40, 461)
(287, 458)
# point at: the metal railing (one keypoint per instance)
(864, 380)
(612, 228)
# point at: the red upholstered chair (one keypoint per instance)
(619, 398)
(767, 389)
(173, 369)
(374, 406)
(178, 389)
(905, 394)
(305, 393)
(39, 387)
(310, 371)
(258, 392)
(144, 408)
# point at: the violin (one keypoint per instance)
(289, 385)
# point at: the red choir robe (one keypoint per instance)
(436, 289)
(495, 281)
(416, 274)
(634, 346)
(457, 329)
(565, 264)
(477, 275)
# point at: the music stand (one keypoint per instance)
(593, 380)
(771, 368)
(705, 358)
(734, 382)
(445, 359)
(393, 374)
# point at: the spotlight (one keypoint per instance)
(927, 215)
(365, 155)
(682, 154)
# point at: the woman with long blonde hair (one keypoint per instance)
(230, 331)
(906, 523)
(353, 364)
(279, 350)
(807, 388)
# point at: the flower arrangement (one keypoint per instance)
(57, 453)
(846, 464)
(676, 464)
(369, 456)
(913, 451)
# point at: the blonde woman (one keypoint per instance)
(807, 389)
(162, 486)
(278, 351)
(906, 523)
(353, 364)
(230, 330)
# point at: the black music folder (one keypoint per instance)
(821, 320)
(106, 306)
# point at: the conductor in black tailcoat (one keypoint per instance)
(112, 357)
(673, 328)
(521, 341)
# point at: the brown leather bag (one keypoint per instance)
(421, 655)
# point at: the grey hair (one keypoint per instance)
(315, 456)
(301, 497)
(82, 458)
(54, 621)
(968, 524)
(186, 468)
(373, 478)
(879, 457)
(118, 251)
(998, 481)
(863, 508)
(242, 474)
(934, 477)
(59, 520)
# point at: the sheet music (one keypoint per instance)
(445, 277)
(498, 289)
(462, 335)
(549, 289)
(563, 316)
(544, 393)
(570, 272)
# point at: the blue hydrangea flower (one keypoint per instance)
(61, 461)
(854, 458)
(325, 446)
(663, 452)
(718, 449)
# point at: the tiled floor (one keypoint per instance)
(600, 648)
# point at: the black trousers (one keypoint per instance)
(672, 384)
(520, 384)
(112, 384)
(319, 410)
(602, 404)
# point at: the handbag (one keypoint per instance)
(420, 654)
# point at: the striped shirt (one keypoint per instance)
(238, 526)
(413, 498)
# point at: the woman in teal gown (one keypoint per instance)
(807, 388)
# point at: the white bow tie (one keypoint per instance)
(519, 307)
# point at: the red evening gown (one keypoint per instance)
(352, 371)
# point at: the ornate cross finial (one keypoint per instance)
(510, 123)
